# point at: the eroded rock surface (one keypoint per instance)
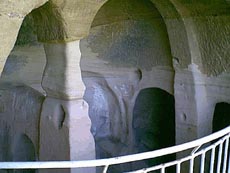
(20, 113)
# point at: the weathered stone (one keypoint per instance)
(215, 58)
(62, 74)
(65, 133)
(132, 45)
(8, 35)
(25, 65)
(12, 14)
(20, 114)
(138, 32)
(64, 112)
(61, 21)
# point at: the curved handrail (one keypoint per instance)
(117, 160)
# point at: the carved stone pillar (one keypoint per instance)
(65, 125)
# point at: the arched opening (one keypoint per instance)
(20, 104)
(154, 121)
(26, 62)
(221, 117)
(127, 49)
(20, 108)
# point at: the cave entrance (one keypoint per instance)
(221, 117)
(154, 121)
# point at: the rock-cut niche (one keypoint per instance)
(127, 49)
(221, 120)
(154, 122)
(221, 117)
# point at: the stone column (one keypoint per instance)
(192, 110)
(65, 124)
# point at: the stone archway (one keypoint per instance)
(11, 19)
(154, 122)
(62, 80)
(221, 117)
(26, 62)
(221, 120)
(127, 49)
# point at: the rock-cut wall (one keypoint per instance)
(20, 108)
(126, 51)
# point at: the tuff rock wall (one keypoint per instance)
(177, 46)
(20, 116)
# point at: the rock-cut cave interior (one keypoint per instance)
(94, 79)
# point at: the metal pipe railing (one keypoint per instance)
(195, 146)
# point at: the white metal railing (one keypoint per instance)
(212, 151)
